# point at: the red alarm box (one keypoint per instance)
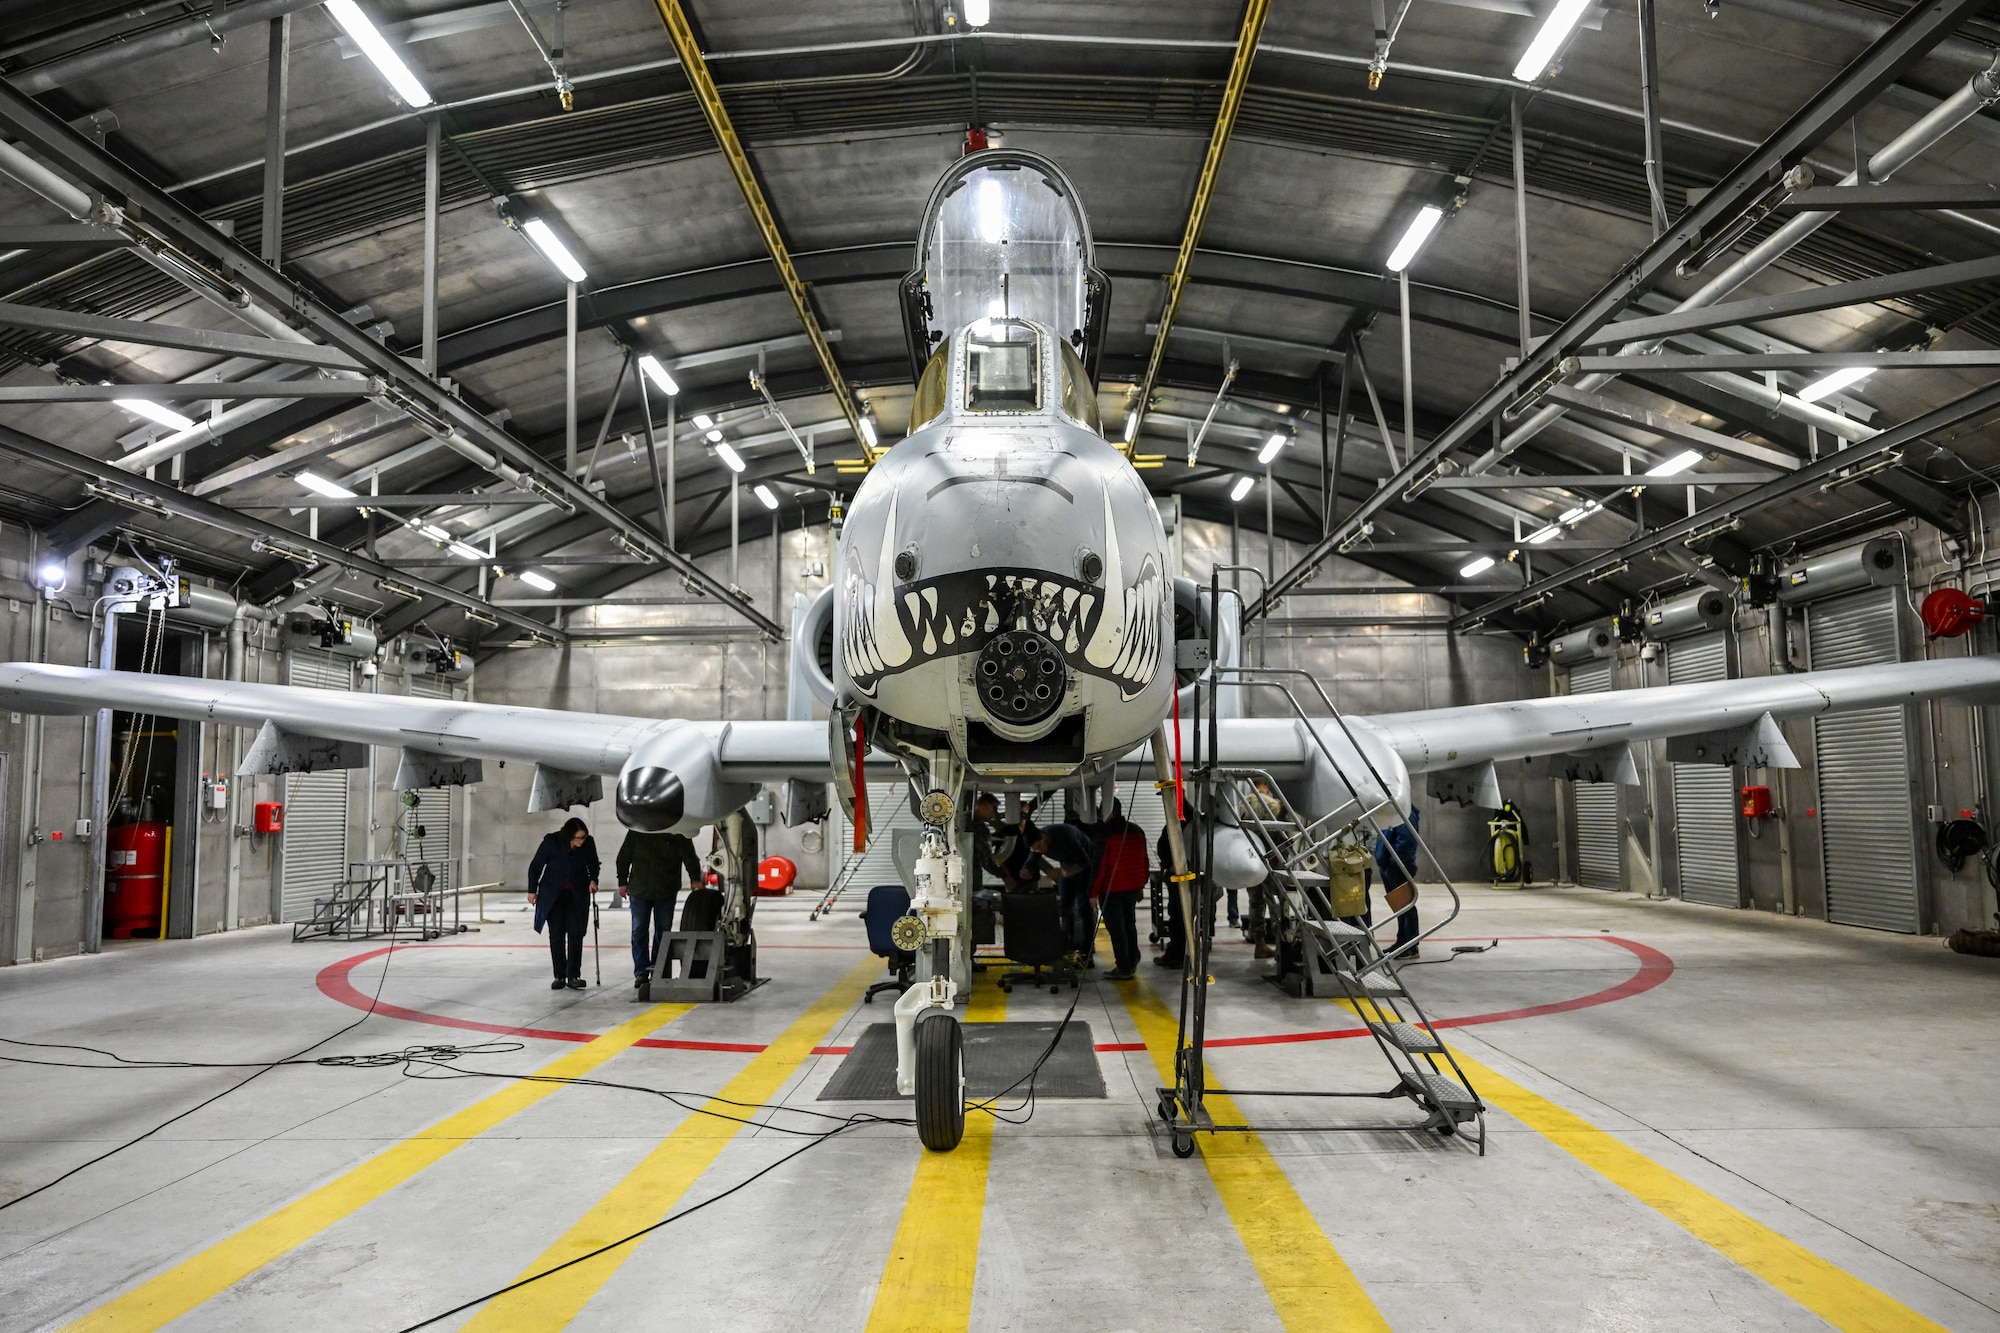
(1756, 802)
(270, 817)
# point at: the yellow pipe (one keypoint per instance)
(1204, 190)
(710, 100)
(166, 878)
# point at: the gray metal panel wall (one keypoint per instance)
(314, 856)
(1705, 811)
(1867, 839)
(1600, 840)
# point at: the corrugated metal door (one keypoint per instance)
(1867, 843)
(313, 855)
(436, 806)
(888, 810)
(1705, 813)
(1600, 842)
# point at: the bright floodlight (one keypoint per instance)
(466, 551)
(152, 411)
(1479, 566)
(868, 431)
(978, 13)
(1241, 488)
(763, 494)
(1271, 447)
(1549, 40)
(1835, 382)
(539, 582)
(657, 373)
(1131, 424)
(380, 54)
(552, 248)
(729, 456)
(1421, 227)
(1679, 463)
(52, 575)
(703, 421)
(312, 481)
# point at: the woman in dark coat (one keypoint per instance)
(562, 881)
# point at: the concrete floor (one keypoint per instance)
(1838, 1090)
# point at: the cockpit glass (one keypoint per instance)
(1002, 369)
(1006, 241)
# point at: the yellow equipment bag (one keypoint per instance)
(1347, 880)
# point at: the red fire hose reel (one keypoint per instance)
(1949, 613)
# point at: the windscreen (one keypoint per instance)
(1006, 243)
(1002, 368)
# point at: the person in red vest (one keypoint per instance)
(1121, 874)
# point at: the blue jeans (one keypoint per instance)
(650, 920)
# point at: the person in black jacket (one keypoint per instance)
(562, 881)
(649, 877)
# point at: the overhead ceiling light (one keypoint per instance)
(868, 431)
(763, 493)
(1834, 383)
(1479, 566)
(729, 456)
(703, 421)
(1271, 447)
(544, 239)
(1680, 462)
(1561, 21)
(539, 582)
(380, 54)
(152, 411)
(1241, 488)
(467, 551)
(1131, 425)
(1550, 533)
(312, 481)
(715, 437)
(1420, 229)
(657, 373)
(434, 532)
(978, 13)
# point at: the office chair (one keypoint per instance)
(1034, 937)
(887, 902)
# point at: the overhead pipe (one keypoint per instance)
(215, 22)
(1980, 91)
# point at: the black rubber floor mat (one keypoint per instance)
(996, 1054)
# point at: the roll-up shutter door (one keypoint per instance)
(1867, 843)
(435, 805)
(314, 844)
(888, 810)
(1600, 844)
(1705, 794)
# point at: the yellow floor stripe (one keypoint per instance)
(656, 1184)
(927, 1282)
(1310, 1285)
(1837, 1296)
(186, 1285)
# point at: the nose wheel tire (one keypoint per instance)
(940, 1082)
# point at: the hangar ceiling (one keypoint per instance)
(847, 115)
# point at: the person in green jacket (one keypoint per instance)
(649, 878)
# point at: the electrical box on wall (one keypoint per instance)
(1756, 802)
(270, 817)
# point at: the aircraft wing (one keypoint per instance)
(706, 768)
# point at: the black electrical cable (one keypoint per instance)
(1004, 1114)
(259, 1072)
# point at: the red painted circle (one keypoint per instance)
(1654, 968)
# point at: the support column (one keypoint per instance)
(1409, 390)
(569, 383)
(672, 544)
(277, 96)
(735, 527)
(100, 797)
(232, 863)
(1339, 439)
(30, 779)
(1521, 231)
(433, 133)
(777, 557)
(1649, 101)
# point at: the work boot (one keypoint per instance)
(1266, 951)
(557, 984)
(576, 983)
(642, 989)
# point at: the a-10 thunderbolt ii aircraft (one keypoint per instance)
(1002, 617)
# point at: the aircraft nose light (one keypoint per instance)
(1022, 671)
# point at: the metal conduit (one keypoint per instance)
(1980, 91)
(117, 51)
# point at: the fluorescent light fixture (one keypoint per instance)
(1834, 383)
(703, 421)
(729, 456)
(466, 551)
(657, 373)
(152, 411)
(1241, 488)
(1479, 566)
(1550, 533)
(434, 532)
(1572, 515)
(991, 204)
(1420, 229)
(312, 481)
(978, 13)
(1271, 447)
(1561, 22)
(763, 494)
(715, 437)
(868, 431)
(380, 54)
(539, 582)
(1680, 462)
(1131, 425)
(552, 248)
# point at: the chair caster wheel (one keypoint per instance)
(1183, 1146)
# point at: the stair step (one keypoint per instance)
(1337, 929)
(1407, 1037)
(1445, 1092)
(1374, 983)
